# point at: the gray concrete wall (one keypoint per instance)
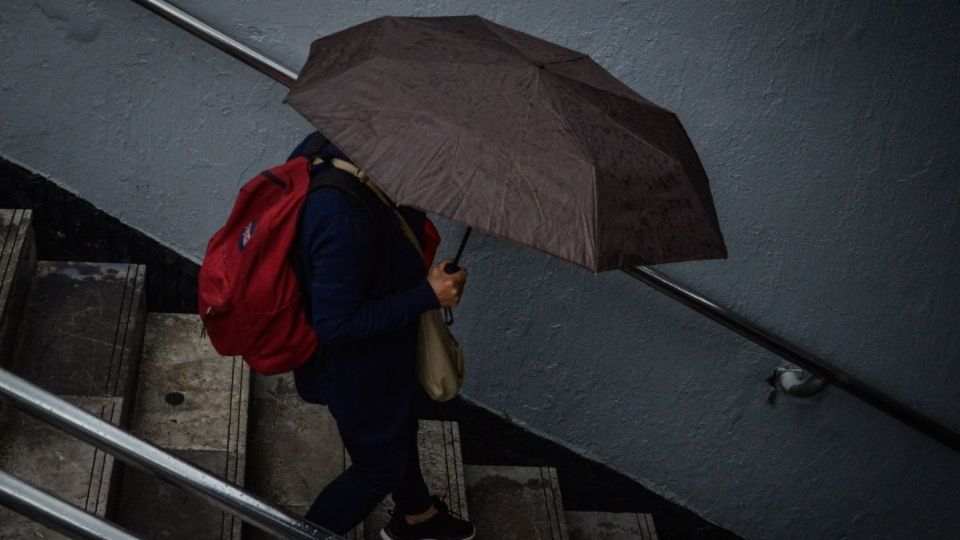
(830, 133)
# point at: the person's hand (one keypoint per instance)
(447, 287)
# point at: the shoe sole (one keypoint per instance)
(384, 535)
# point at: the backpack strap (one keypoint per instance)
(349, 179)
(327, 175)
(374, 199)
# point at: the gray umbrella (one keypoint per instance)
(512, 135)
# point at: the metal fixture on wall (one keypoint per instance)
(796, 382)
(813, 372)
(821, 373)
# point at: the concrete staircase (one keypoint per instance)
(81, 330)
(76, 330)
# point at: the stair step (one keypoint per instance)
(309, 456)
(79, 337)
(610, 526)
(193, 403)
(515, 502)
(58, 463)
(83, 328)
(312, 455)
(18, 260)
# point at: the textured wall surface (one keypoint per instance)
(830, 133)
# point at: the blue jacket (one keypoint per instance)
(367, 290)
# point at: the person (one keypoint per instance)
(366, 287)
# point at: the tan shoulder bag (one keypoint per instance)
(439, 356)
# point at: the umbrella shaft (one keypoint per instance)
(454, 267)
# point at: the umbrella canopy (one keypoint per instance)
(513, 135)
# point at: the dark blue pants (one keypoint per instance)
(377, 471)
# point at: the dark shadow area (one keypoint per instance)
(487, 438)
(68, 228)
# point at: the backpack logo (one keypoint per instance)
(247, 234)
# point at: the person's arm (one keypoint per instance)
(344, 251)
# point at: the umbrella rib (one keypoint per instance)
(574, 59)
(696, 198)
(526, 130)
(505, 42)
(552, 105)
(492, 30)
(307, 78)
(634, 136)
(443, 30)
(448, 135)
(639, 138)
(705, 201)
(644, 103)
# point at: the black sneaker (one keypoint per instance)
(443, 526)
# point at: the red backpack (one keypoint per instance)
(249, 297)
(250, 300)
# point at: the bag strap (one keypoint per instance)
(329, 175)
(407, 231)
(343, 175)
(325, 175)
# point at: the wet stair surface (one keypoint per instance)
(79, 337)
(610, 526)
(504, 502)
(18, 260)
(192, 403)
(57, 463)
(516, 502)
(80, 330)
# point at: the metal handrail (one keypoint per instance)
(225, 43)
(102, 434)
(819, 367)
(916, 420)
(70, 520)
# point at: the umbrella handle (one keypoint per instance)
(453, 268)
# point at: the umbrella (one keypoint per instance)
(513, 135)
